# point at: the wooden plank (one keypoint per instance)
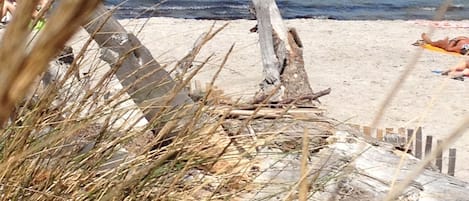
(379, 134)
(428, 145)
(380, 176)
(452, 162)
(267, 112)
(439, 156)
(418, 143)
(410, 132)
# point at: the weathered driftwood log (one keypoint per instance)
(150, 86)
(282, 56)
(342, 164)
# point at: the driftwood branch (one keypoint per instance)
(301, 98)
(308, 97)
(149, 84)
(266, 113)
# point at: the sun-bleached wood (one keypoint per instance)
(282, 56)
(149, 84)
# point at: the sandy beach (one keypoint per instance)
(359, 60)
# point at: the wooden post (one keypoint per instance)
(379, 134)
(402, 137)
(428, 145)
(367, 131)
(410, 133)
(418, 143)
(439, 156)
(452, 162)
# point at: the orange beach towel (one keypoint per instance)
(437, 49)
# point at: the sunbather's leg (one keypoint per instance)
(465, 72)
(439, 43)
(461, 66)
(456, 74)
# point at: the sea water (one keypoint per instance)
(326, 9)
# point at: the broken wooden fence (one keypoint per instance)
(400, 136)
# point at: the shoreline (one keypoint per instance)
(234, 10)
(359, 60)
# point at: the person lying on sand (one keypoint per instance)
(459, 44)
(458, 71)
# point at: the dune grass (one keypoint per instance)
(69, 140)
(66, 140)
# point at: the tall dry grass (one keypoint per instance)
(66, 140)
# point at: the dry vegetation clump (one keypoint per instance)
(78, 138)
(67, 138)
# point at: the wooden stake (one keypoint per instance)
(439, 156)
(428, 145)
(367, 131)
(410, 133)
(452, 162)
(379, 134)
(418, 143)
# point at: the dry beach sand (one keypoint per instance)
(359, 60)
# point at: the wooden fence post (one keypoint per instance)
(402, 137)
(439, 156)
(418, 143)
(452, 162)
(367, 131)
(428, 145)
(379, 134)
(410, 132)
